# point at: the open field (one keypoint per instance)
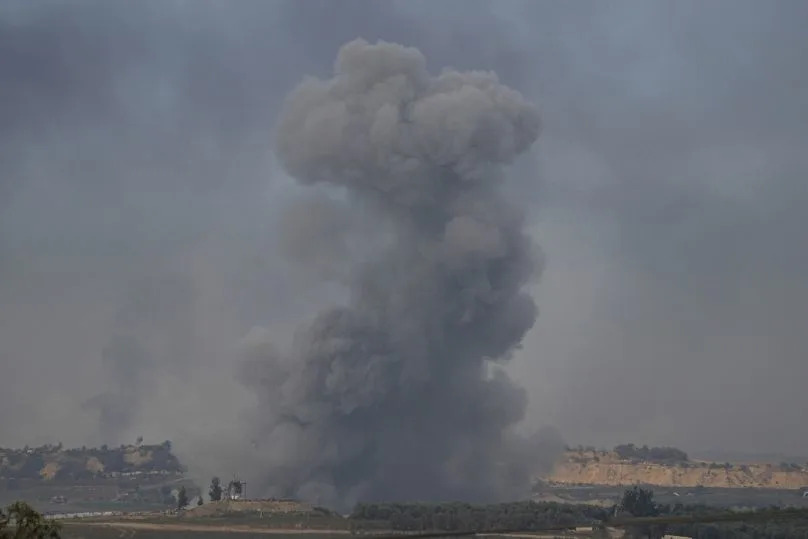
(241, 518)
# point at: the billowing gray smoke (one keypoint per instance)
(127, 363)
(152, 326)
(396, 394)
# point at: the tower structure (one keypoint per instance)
(236, 489)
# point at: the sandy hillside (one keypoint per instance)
(607, 468)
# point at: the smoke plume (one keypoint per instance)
(670, 201)
(128, 363)
(397, 393)
(153, 326)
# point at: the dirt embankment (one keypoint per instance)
(607, 468)
(229, 507)
(278, 517)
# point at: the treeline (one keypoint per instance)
(639, 502)
(650, 454)
(458, 516)
(764, 528)
(535, 516)
(530, 516)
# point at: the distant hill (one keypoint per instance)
(669, 467)
(54, 463)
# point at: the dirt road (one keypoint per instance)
(125, 525)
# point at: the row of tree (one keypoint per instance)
(533, 516)
(639, 502)
(524, 516)
(650, 454)
(215, 492)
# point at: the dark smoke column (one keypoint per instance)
(395, 396)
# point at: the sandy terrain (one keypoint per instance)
(608, 469)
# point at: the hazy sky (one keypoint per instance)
(139, 196)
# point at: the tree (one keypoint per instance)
(182, 499)
(21, 521)
(215, 492)
(199, 501)
(32, 466)
(640, 503)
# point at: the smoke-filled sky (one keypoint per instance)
(141, 201)
(396, 392)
